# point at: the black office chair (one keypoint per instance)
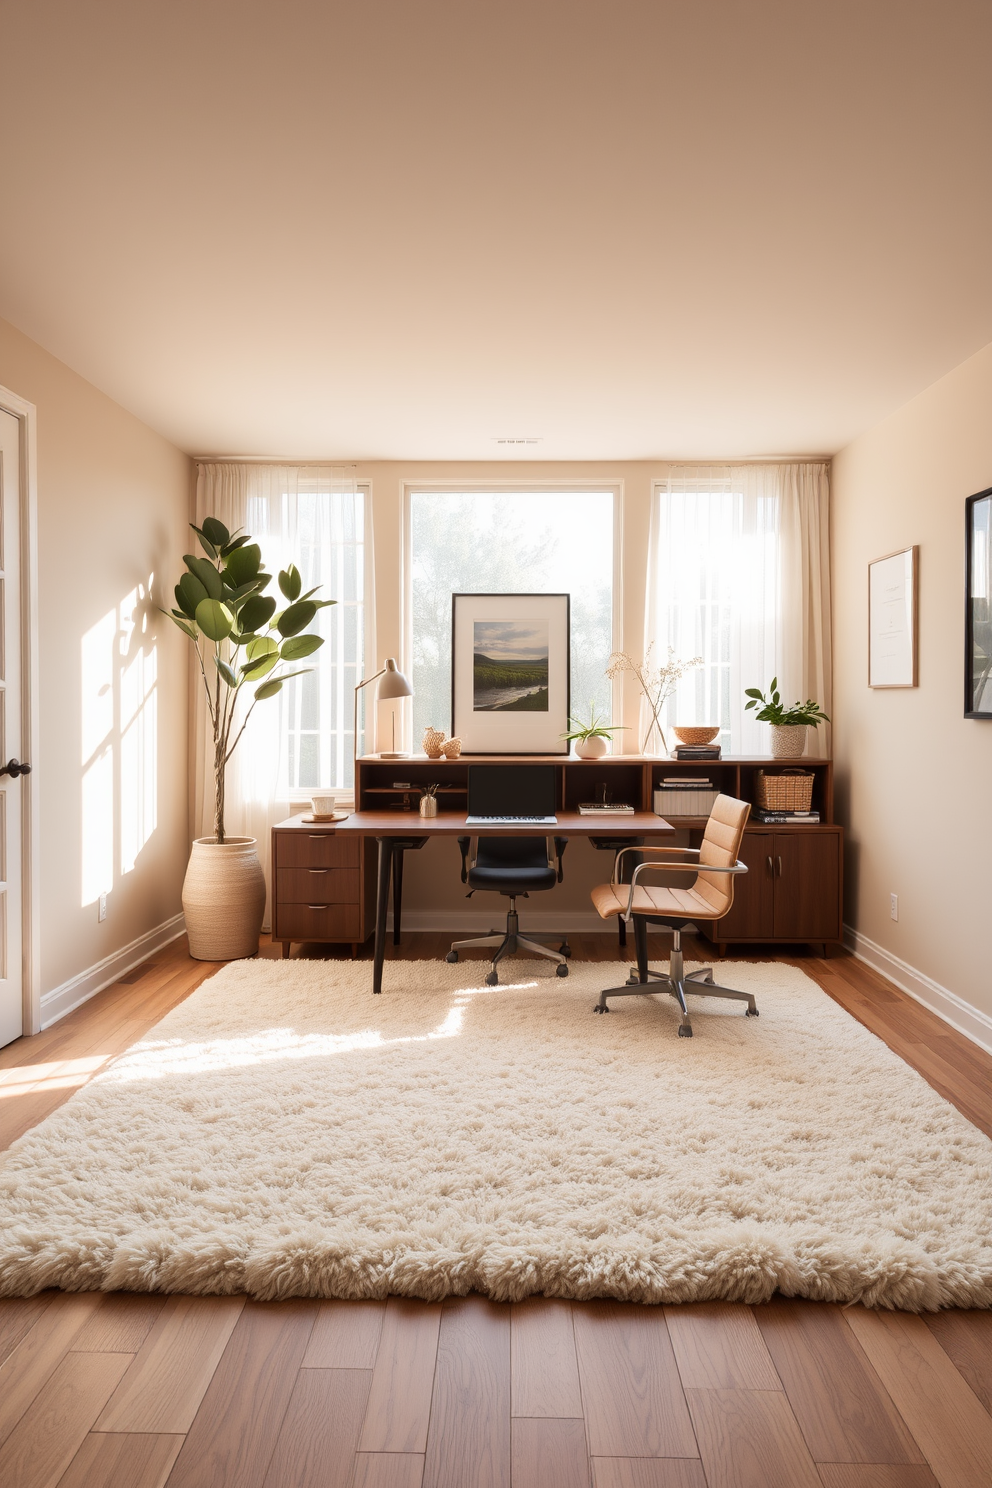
(514, 867)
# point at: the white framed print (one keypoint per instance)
(510, 673)
(892, 619)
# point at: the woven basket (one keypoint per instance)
(785, 790)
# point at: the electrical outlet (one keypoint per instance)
(103, 906)
(894, 906)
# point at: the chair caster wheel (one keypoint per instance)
(600, 1007)
(492, 980)
(685, 1031)
(452, 956)
(631, 982)
(561, 971)
(564, 949)
(750, 1012)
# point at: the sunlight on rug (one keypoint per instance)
(285, 1133)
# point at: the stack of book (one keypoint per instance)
(697, 751)
(685, 795)
(784, 818)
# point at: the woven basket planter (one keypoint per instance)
(223, 899)
(791, 790)
(788, 740)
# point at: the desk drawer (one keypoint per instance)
(318, 920)
(317, 850)
(318, 885)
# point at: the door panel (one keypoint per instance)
(807, 905)
(751, 914)
(11, 1009)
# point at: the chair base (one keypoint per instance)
(507, 943)
(676, 984)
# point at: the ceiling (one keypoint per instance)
(406, 230)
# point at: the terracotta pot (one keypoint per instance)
(433, 740)
(592, 748)
(223, 899)
(788, 740)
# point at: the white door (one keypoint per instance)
(11, 997)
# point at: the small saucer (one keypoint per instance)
(335, 816)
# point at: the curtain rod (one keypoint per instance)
(268, 460)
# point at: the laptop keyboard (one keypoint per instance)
(512, 821)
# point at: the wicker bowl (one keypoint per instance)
(700, 735)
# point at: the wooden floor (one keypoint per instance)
(135, 1391)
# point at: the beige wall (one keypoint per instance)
(899, 751)
(113, 503)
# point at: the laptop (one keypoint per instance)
(511, 795)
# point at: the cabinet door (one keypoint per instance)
(807, 885)
(751, 914)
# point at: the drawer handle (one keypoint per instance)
(318, 836)
(318, 906)
(779, 862)
(318, 870)
(771, 869)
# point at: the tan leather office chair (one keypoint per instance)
(713, 866)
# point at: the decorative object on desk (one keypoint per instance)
(392, 684)
(784, 790)
(510, 672)
(788, 725)
(451, 748)
(442, 1087)
(428, 801)
(892, 603)
(697, 752)
(978, 601)
(696, 735)
(323, 805)
(656, 683)
(433, 742)
(220, 601)
(592, 739)
(328, 816)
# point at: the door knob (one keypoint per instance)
(13, 769)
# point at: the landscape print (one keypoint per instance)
(510, 666)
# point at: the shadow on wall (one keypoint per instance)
(119, 715)
(852, 847)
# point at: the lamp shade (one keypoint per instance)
(392, 683)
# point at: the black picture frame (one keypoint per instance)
(502, 730)
(978, 605)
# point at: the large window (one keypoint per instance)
(500, 542)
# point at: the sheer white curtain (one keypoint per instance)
(300, 740)
(739, 574)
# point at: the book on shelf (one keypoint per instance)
(783, 818)
(697, 751)
(605, 808)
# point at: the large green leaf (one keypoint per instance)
(262, 646)
(243, 564)
(259, 667)
(214, 619)
(215, 531)
(236, 542)
(237, 591)
(290, 582)
(206, 573)
(299, 646)
(189, 593)
(268, 689)
(297, 617)
(184, 626)
(205, 542)
(255, 613)
(226, 672)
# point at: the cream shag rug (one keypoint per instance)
(284, 1133)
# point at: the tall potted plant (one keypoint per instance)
(242, 641)
(788, 725)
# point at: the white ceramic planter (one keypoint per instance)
(223, 899)
(593, 748)
(788, 740)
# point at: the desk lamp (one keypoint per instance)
(393, 685)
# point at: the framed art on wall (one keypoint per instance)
(978, 606)
(892, 617)
(510, 673)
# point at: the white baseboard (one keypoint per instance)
(969, 1020)
(86, 984)
(480, 922)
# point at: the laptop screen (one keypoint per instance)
(511, 790)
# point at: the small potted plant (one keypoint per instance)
(788, 725)
(591, 739)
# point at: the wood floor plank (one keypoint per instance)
(388, 1470)
(162, 1390)
(345, 1335)
(469, 1436)
(843, 1410)
(647, 1472)
(55, 1424)
(632, 1394)
(234, 1434)
(848, 1475)
(120, 1324)
(750, 1439)
(25, 1370)
(544, 1369)
(718, 1347)
(122, 1460)
(946, 1418)
(966, 1338)
(399, 1405)
(17, 1316)
(548, 1453)
(319, 1435)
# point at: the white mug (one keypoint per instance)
(323, 805)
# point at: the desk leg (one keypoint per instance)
(381, 906)
(397, 892)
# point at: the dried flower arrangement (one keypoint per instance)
(657, 683)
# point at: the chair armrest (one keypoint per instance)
(682, 852)
(694, 868)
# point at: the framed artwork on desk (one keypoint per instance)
(892, 607)
(510, 673)
(978, 606)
